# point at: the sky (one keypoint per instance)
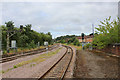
(59, 18)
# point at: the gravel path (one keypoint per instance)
(28, 71)
(90, 65)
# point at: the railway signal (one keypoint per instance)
(83, 36)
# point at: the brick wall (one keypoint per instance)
(115, 49)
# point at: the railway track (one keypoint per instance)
(6, 59)
(59, 69)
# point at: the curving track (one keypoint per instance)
(6, 59)
(59, 69)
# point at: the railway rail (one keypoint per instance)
(6, 59)
(69, 51)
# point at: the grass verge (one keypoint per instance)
(77, 47)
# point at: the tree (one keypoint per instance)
(63, 41)
(107, 33)
(49, 38)
(10, 25)
(76, 42)
(88, 45)
(28, 27)
(23, 40)
(27, 38)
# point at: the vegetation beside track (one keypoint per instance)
(107, 33)
(26, 38)
(68, 39)
(77, 47)
(20, 50)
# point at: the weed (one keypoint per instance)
(40, 58)
(32, 65)
(15, 66)
(3, 71)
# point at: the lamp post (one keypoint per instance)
(93, 33)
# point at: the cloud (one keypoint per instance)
(59, 17)
(60, 0)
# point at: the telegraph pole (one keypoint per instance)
(93, 29)
(7, 42)
(93, 33)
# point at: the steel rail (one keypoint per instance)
(6, 59)
(63, 75)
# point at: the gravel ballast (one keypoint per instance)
(30, 71)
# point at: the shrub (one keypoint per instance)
(88, 45)
(15, 66)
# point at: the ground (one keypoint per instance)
(94, 65)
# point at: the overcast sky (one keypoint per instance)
(59, 18)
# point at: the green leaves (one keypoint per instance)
(108, 33)
(27, 38)
(10, 25)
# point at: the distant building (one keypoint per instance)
(87, 39)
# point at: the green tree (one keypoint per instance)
(107, 33)
(28, 27)
(23, 40)
(10, 25)
(63, 41)
(27, 38)
(4, 33)
(88, 45)
(32, 44)
(76, 42)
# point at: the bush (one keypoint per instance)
(15, 66)
(78, 44)
(28, 46)
(32, 44)
(62, 41)
(88, 45)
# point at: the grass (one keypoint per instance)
(37, 60)
(77, 47)
(40, 58)
(19, 50)
(32, 65)
(2, 71)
